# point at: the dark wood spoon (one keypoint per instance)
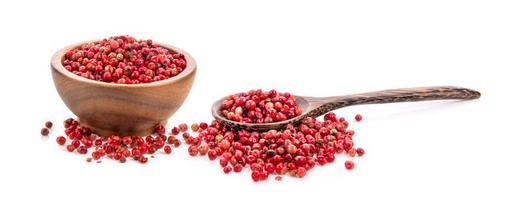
(316, 106)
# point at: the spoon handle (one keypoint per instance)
(326, 104)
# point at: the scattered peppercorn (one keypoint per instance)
(358, 117)
(194, 127)
(114, 147)
(48, 124)
(183, 127)
(167, 149)
(45, 131)
(349, 165)
(360, 151)
(61, 140)
(227, 169)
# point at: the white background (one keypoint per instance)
(415, 150)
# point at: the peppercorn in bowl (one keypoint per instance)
(120, 85)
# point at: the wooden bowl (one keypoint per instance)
(122, 109)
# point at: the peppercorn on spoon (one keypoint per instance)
(317, 106)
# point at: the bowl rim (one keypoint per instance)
(57, 58)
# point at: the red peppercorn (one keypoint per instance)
(87, 143)
(107, 77)
(160, 129)
(152, 149)
(127, 140)
(82, 150)
(227, 169)
(301, 172)
(203, 149)
(352, 152)
(61, 140)
(223, 162)
(264, 175)
(70, 148)
(291, 149)
(193, 150)
(203, 125)
(237, 167)
(278, 178)
(183, 127)
(177, 143)
(349, 165)
(45, 131)
(358, 117)
(194, 127)
(75, 143)
(360, 151)
(250, 105)
(48, 124)
(175, 130)
(136, 152)
(98, 142)
(255, 175)
(171, 139)
(114, 44)
(212, 155)
(225, 144)
(167, 149)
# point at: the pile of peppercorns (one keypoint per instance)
(83, 140)
(292, 151)
(257, 106)
(124, 60)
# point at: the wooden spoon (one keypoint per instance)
(316, 106)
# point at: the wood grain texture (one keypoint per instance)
(317, 106)
(120, 108)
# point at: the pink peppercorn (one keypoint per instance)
(358, 117)
(183, 127)
(167, 149)
(61, 140)
(48, 124)
(45, 131)
(227, 169)
(360, 151)
(349, 165)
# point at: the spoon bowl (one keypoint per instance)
(302, 102)
(317, 106)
